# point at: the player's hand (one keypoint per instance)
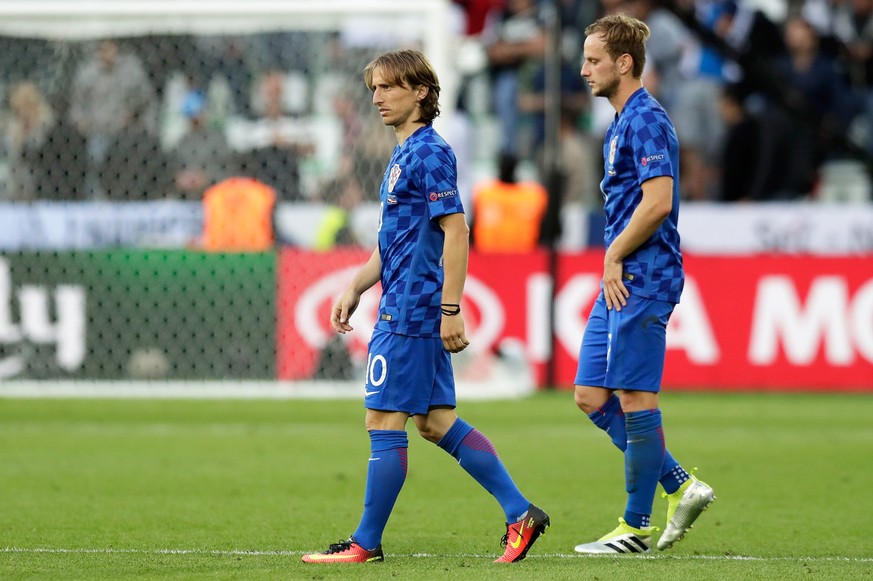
(614, 291)
(342, 311)
(453, 334)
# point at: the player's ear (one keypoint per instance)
(421, 93)
(625, 63)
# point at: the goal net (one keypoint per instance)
(118, 117)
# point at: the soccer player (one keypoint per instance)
(621, 358)
(421, 261)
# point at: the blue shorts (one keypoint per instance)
(408, 374)
(625, 349)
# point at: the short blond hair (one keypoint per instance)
(623, 34)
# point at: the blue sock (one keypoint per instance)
(476, 454)
(386, 472)
(642, 464)
(610, 419)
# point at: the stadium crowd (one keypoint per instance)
(767, 96)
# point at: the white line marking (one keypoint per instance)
(255, 553)
(253, 389)
(147, 551)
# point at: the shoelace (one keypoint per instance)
(505, 538)
(338, 547)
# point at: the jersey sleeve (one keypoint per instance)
(650, 146)
(436, 174)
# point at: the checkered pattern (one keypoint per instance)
(680, 475)
(410, 239)
(641, 144)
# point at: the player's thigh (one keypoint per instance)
(402, 372)
(385, 420)
(638, 344)
(594, 349)
(442, 391)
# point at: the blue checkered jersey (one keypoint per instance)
(641, 144)
(420, 185)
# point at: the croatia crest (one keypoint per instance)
(393, 176)
(613, 146)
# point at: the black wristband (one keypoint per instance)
(450, 309)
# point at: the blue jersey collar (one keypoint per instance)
(637, 95)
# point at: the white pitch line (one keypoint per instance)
(147, 551)
(220, 553)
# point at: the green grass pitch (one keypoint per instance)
(180, 489)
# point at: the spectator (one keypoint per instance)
(277, 142)
(757, 42)
(578, 164)
(575, 16)
(576, 161)
(696, 111)
(815, 87)
(227, 57)
(238, 216)
(365, 143)
(344, 107)
(287, 50)
(162, 55)
(515, 41)
(742, 166)
(62, 162)
(341, 196)
(476, 14)
(819, 13)
(107, 90)
(574, 100)
(203, 157)
(135, 167)
(507, 214)
(853, 27)
(665, 50)
(822, 16)
(26, 136)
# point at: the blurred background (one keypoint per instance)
(185, 187)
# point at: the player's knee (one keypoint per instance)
(428, 433)
(589, 399)
(434, 425)
(635, 401)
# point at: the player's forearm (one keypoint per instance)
(368, 275)
(455, 257)
(642, 225)
(653, 209)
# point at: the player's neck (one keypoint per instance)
(624, 92)
(404, 131)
